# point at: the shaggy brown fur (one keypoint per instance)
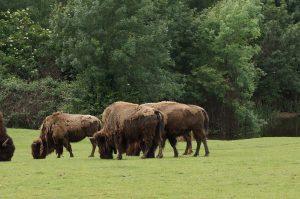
(181, 119)
(7, 147)
(59, 129)
(125, 124)
(133, 149)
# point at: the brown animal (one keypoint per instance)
(7, 147)
(181, 119)
(125, 124)
(133, 149)
(59, 129)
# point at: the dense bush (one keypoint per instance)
(26, 104)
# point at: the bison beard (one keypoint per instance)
(59, 129)
(127, 124)
(7, 147)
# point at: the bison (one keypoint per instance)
(126, 124)
(59, 129)
(7, 147)
(181, 119)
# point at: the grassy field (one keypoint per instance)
(253, 168)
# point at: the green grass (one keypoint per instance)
(253, 168)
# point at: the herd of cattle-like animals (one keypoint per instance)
(124, 128)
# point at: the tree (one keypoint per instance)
(279, 89)
(23, 45)
(115, 51)
(225, 76)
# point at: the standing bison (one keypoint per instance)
(7, 147)
(59, 129)
(181, 119)
(126, 124)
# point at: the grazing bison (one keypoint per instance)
(7, 147)
(181, 119)
(59, 129)
(126, 124)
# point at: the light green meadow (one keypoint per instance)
(252, 168)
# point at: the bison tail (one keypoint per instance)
(206, 121)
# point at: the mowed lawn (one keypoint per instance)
(252, 168)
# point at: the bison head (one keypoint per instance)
(39, 149)
(106, 147)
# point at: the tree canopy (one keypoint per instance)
(236, 58)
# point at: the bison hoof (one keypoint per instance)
(119, 158)
(159, 156)
(206, 154)
(91, 156)
(195, 155)
(185, 153)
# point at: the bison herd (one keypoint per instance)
(124, 128)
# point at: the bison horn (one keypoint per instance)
(5, 143)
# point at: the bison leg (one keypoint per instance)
(67, 145)
(161, 147)
(198, 137)
(148, 145)
(58, 146)
(187, 137)
(118, 142)
(205, 146)
(93, 142)
(173, 142)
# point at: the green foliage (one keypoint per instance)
(40, 9)
(279, 89)
(293, 7)
(22, 45)
(182, 28)
(228, 33)
(116, 51)
(27, 104)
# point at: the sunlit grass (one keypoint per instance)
(253, 168)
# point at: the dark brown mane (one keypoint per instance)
(7, 146)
